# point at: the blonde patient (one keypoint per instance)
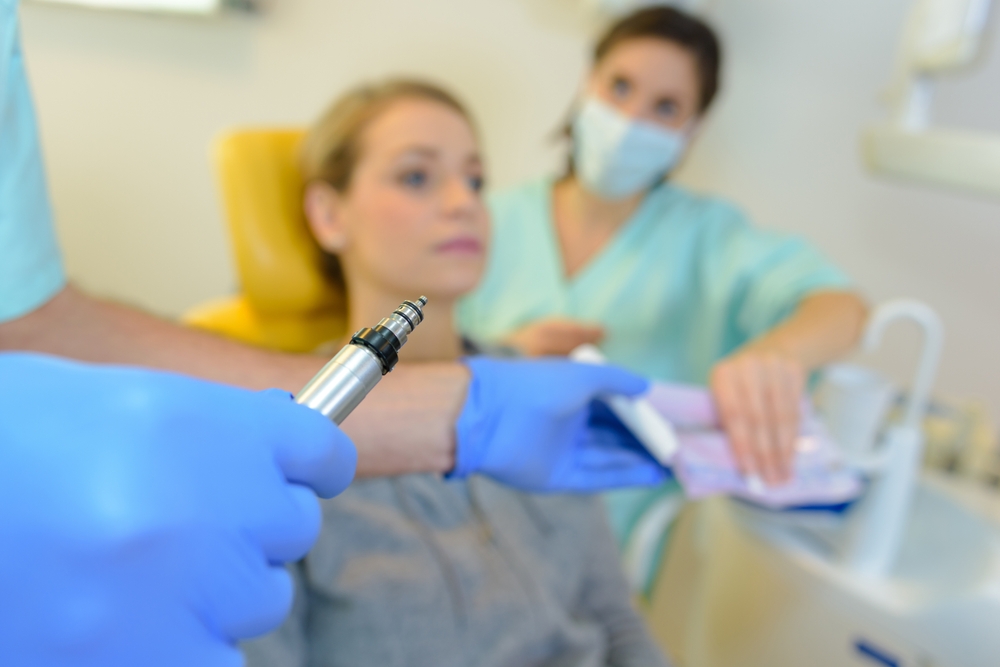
(420, 570)
(405, 217)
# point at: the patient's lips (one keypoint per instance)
(461, 245)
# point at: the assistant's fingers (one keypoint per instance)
(586, 335)
(529, 339)
(589, 333)
(777, 422)
(728, 400)
(560, 337)
(786, 393)
(750, 380)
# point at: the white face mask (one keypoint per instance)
(616, 156)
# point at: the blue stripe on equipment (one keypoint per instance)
(874, 653)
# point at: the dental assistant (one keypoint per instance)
(613, 251)
(145, 515)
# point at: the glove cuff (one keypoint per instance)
(474, 424)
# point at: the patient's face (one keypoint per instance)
(650, 79)
(413, 220)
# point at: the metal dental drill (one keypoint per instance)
(356, 369)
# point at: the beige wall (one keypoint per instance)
(129, 105)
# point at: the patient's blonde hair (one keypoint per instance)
(331, 149)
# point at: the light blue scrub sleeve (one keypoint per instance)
(776, 272)
(31, 270)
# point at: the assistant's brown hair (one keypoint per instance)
(333, 145)
(672, 25)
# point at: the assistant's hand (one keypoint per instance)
(758, 393)
(531, 425)
(145, 516)
(553, 337)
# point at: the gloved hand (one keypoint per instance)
(532, 425)
(144, 515)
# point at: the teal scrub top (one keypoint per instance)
(31, 270)
(686, 281)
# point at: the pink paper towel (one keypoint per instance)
(705, 465)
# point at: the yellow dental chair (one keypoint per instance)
(285, 302)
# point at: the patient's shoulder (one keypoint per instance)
(561, 516)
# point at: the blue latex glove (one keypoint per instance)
(533, 425)
(144, 515)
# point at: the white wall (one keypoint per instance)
(130, 103)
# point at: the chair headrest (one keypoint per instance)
(278, 262)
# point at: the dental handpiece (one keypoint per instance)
(356, 369)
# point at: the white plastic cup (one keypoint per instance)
(854, 401)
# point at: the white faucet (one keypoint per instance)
(875, 531)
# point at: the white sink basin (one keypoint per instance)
(772, 593)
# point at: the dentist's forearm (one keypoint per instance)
(406, 425)
(75, 325)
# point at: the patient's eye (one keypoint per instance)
(414, 178)
(666, 108)
(620, 87)
(477, 183)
